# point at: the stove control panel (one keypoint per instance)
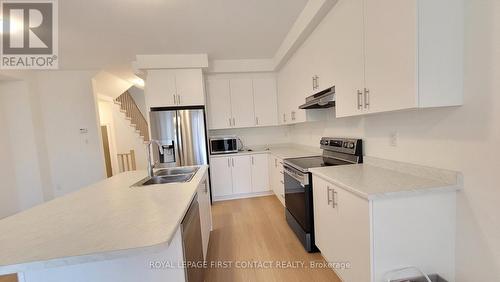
(342, 145)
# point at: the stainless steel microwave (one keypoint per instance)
(223, 145)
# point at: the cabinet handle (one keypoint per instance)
(232, 160)
(328, 189)
(284, 118)
(234, 122)
(175, 100)
(178, 99)
(256, 120)
(317, 81)
(230, 124)
(228, 163)
(313, 83)
(360, 105)
(335, 202)
(367, 98)
(252, 161)
(275, 162)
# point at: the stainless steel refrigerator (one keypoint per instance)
(182, 134)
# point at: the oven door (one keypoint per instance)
(298, 197)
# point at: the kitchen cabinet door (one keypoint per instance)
(280, 181)
(265, 101)
(242, 102)
(189, 85)
(219, 104)
(348, 57)
(353, 230)
(160, 89)
(241, 174)
(326, 219)
(391, 49)
(260, 173)
(205, 214)
(222, 180)
(342, 229)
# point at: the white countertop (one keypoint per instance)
(282, 151)
(105, 220)
(377, 178)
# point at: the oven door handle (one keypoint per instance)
(291, 174)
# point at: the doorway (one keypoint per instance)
(107, 153)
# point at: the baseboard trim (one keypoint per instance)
(243, 196)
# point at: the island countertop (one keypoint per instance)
(105, 220)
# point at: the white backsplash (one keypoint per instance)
(258, 135)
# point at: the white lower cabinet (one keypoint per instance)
(276, 177)
(374, 237)
(238, 176)
(342, 230)
(205, 214)
(241, 174)
(221, 177)
(260, 173)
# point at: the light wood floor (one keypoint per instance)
(255, 230)
(8, 278)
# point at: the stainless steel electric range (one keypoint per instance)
(299, 186)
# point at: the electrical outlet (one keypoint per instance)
(394, 139)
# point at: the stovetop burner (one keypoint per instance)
(304, 164)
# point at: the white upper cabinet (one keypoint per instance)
(189, 84)
(160, 89)
(265, 101)
(242, 102)
(171, 88)
(219, 103)
(403, 67)
(238, 102)
(381, 55)
(390, 55)
(348, 57)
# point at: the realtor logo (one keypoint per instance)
(29, 34)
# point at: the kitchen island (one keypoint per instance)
(108, 231)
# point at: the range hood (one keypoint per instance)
(320, 100)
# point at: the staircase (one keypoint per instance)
(132, 113)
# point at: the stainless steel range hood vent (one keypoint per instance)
(320, 100)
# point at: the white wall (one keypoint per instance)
(139, 98)
(466, 139)
(8, 189)
(23, 187)
(67, 105)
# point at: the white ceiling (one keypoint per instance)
(102, 33)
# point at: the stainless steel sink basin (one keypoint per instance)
(164, 179)
(176, 171)
(169, 175)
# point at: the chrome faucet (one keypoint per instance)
(150, 155)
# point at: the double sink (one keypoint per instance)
(169, 175)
